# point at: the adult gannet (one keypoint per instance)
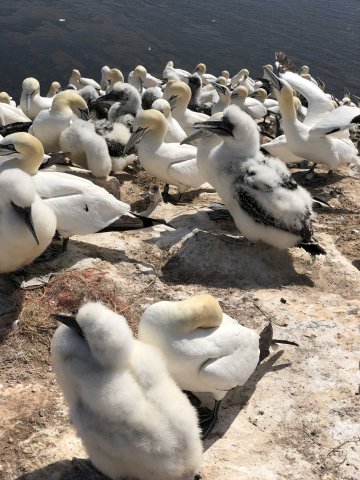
(178, 94)
(315, 144)
(205, 349)
(264, 201)
(114, 75)
(174, 133)
(206, 78)
(104, 81)
(304, 73)
(261, 95)
(5, 98)
(27, 224)
(141, 79)
(173, 163)
(55, 88)
(242, 79)
(31, 102)
(132, 418)
(79, 82)
(174, 73)
(10, 114)
(48, 124)
(239, 97)
(80, 206)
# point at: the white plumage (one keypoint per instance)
(174, 133)
(31, 102)
(79, 82)
(254, 108)
(264, 201)
(131, 417)
(27, 224)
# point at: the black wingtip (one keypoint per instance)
(312, 248)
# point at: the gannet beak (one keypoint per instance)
(84, 114)
(195, 136)
(69, 321)
(275, 81)
(25, 214)
(28, 101)
(141, 82)
(218, 127)
(172, 101)
(253, 95)
(300, 116)
(219, 88)
(134, 139)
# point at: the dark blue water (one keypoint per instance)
(324, 34)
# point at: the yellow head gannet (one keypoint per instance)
(264, 201)
(174, 133)
(132, 418)
(173, 163)
(224, 98)
(137, 78)
(5, 98)
(305, 73)
(242, 79)
(104, 81)
(81, 207)
(79, 82)
(27, 224)
(178, 94)
(206, 78)
(261, 95)
(254, 108)
(315, 144)
(174, 73)
(55, 88)
(49, 124)
(205, 349)
(113, 76)
(31, 102)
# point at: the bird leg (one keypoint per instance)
(207, 422)
(167, 197)
(51, 253)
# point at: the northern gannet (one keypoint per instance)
(173, 163)
(149, 96)
(5, 98)
(48, 124)
(224, 98)
(305, 73)
(126, 97)
(196, 104)
(261, 95)
(314, 144)
(55, 88)
(178, 94)
(205, 349)
(10, 114)
(174, 133)
(114, 75)
(31, 102)
(242, 79)
(79, 82)
(254, 108)
(205, 77)
(264, 201)
(27, 224)
(132, 418)
(104, 81)
(174, 73)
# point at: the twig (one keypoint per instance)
(268, 316)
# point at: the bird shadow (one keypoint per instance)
(240, 396)
(320, 179)
(75, 469)
(11, 300)
(220, 260)
(356, 264)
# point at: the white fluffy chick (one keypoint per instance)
(132, 418)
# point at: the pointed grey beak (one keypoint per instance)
(253, 95)
(84, 114)
(69, 321)
(275, 81)
(219, 88)
(218, 127)
(134, 139)
(196, 135)
(300, 115)
(172, 101)
(25, 214)
(141, 82)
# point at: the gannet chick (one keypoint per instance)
(79, 82)
(205, 77)
(132, 418)
(254, 108)
(264, 201)
(123, 93)
(80, 206)
(104, 81)
(31, 102)
(174, 73)
(174, 134)
(55, 88)
(195, 104)
(205, 349)
(178, 94)
(314, 144)
(27, 225)
(48, 124)
(224, 98)
(88, 93)
(173, 163)
(114, 75)
(5, 98)
(86, 148)
(149, 96)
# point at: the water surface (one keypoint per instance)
(224, 34)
